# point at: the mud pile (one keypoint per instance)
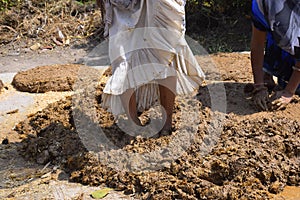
(250, 157)
(253, 160)
(49, 78)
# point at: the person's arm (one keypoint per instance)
(294, 80)
(284, 97)
(257, 55)
(260, 93)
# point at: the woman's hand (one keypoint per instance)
(260, 97)
(281, 99)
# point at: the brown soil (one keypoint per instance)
(48, 78)
(229, 150)
(254, 156)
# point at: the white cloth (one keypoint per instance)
(146, 44)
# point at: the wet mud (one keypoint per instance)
(232, 154)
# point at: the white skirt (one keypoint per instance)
(146, 44)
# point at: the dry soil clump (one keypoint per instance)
(49, 78)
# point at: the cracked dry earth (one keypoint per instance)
(221, 147)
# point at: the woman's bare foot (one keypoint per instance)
(167, 90)
(129, 104)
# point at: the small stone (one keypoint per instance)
(5, 141)
(35, 46)
(276, 187)
(43, 157)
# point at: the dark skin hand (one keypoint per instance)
(261, 97)
(282, 98)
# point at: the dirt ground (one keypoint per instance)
(224, 147)
(62, 145)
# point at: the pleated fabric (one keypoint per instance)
(147, 44)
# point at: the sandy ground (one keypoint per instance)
(22, 179)
(38, 182)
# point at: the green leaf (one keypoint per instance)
(100, 194)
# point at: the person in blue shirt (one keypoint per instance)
(275, 51)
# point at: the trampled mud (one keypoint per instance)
(254, 157)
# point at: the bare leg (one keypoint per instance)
(129, 104)
(167, 89)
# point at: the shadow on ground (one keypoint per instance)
(230, 98)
